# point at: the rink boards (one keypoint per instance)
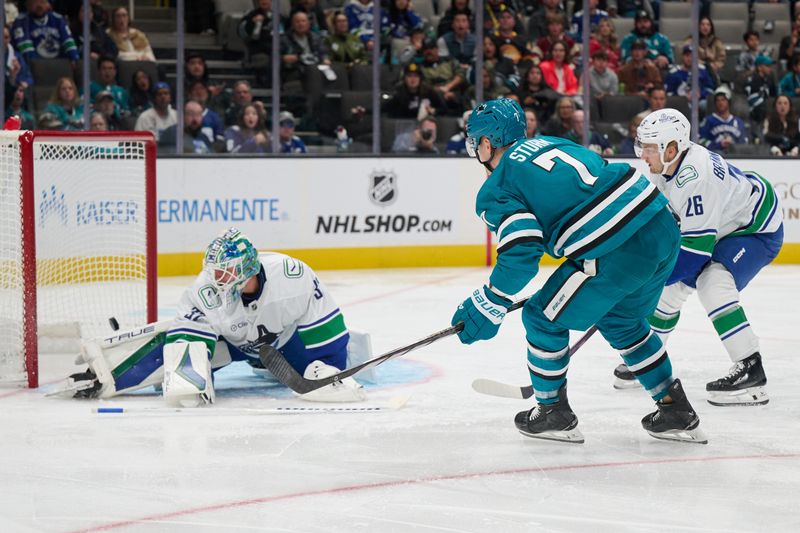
(356, 212)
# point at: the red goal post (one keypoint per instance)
(77, 239)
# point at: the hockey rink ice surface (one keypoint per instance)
(450, 460)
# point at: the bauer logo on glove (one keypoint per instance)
(482, 313)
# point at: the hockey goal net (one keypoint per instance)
(77, 239)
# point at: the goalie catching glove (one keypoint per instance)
(482, 314)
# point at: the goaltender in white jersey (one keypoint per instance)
(240, 302)
(731, 228)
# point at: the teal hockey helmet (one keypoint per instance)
(231, 259)
(502, 121)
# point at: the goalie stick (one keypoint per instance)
(276, 363)
(506, 390)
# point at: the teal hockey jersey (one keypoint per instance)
(551, 195)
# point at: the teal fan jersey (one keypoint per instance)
(551, 195)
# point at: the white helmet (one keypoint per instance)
(661, 128)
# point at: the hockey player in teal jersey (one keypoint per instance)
(620, 241)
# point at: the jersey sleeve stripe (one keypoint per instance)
(596, 206)
(323, 333)
(698, 232)
(327, 317)
(607, 230)
(701, 244)
(326, 341)
(519, 237)
(193, 332)
(514, 218)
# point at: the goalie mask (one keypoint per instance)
(661, 128)
(231, 259)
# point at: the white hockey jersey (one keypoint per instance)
(714, 199)
(292, 301)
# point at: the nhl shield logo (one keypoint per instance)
(382, 187)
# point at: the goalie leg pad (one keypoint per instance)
(347, 390)
(359, 350)
(187, 375)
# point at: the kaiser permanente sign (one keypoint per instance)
(355, 212)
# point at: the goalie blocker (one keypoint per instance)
(183, 369)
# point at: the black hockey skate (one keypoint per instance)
(554, 421)
(675, 420)
(744, 384)
(624, 378)
(89, 385)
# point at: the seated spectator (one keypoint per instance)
(456, 7)
(131, 43)
(302, 52)
(400, 19)
(629, 8)
(250, 135)
(746, 62)
(100, 44)
(97, 122)
(16, 106)
(255, 29)
(597, 143)
(639, 75)
(17, 72)
(141, 93)
(161, 116)
(626, 145)
(602, 80)
(781, 128)
(656, 100)
(242, 96)
(679, 79)
(711, 50)
(561, 122)
(316, 15)
(413, 98)
(64, 106)
(558, 72)
(289, 142)
(790, 44)
(790, 83)
(457, 145)
(531, 123)
(12, 11)
(459, 43)
(421, 139)
(445, 76)
(492, 88)
(491, 16)
(212, 125)
(605, 38)
(195, 141)
(501, 67)
(107, 81)
(104, 104)
(759, 87)
(42, 34)
(412, 53)
(195, 69)
(721, 129)
(595, 16)
(537, 24)
(509, 42)
(534, 93)
(359, 17)
(659, 48)
(555, 34)
(343, 46)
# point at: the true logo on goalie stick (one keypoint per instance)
(382, 187)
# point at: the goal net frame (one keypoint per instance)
(28, 207)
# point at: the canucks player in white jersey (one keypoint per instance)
(240, 302)
(731, 228)
(620, 241)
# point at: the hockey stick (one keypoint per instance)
(505, 390)
(274, 361)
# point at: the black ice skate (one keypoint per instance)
(676, 420)
(79, 385)
(554, 421)
(744, 384)
(624, 378)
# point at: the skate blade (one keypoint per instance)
(625, 384)
(751, 396)
(694, 436)
(571, 435)
(68, 388)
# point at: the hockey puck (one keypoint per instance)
(113, 323)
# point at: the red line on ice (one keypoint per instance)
(432, 479)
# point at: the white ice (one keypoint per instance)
(450, 460)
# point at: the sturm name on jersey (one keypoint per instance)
(380, 224)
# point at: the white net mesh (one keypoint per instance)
(91, 238)
(12, 362)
